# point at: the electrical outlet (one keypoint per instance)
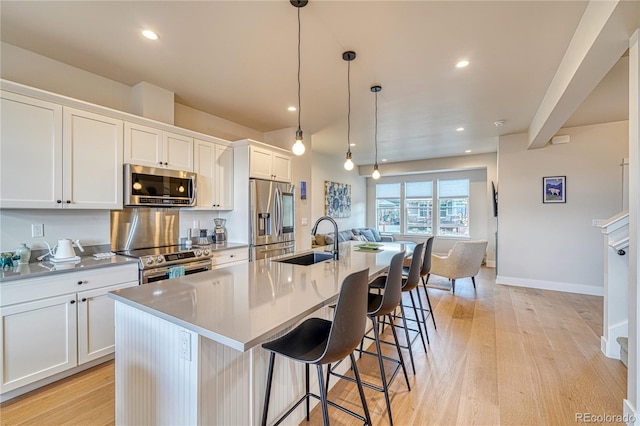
(37, 230)
(185, 345)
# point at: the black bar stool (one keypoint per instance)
(381, 305)
(409, 284)
(425, 271)
(319, 341)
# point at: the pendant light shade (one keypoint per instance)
(298, 147)
(349, 56)
(376, 173)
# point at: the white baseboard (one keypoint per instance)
(629, 414)
(550, 285)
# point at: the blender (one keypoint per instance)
(220, 231)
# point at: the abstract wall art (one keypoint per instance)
(337, 199)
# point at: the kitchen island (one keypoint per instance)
(188, 349)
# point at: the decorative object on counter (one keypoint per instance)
(6, 260)
(337, 199)
(23, 253)
(348, 56)
(203, 240)
(376, 173)
(298, 147)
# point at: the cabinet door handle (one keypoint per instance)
(82, 282)
(59, 201)
(68, 201)
(84, 299)
(73, 301)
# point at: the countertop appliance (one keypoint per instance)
(151, 235)
(271, 218)
(151, 186)
(220, 230)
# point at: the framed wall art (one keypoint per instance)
(337, 199)
(554, 189)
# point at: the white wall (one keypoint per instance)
(330, 168)
(483, 225)
(554, 246)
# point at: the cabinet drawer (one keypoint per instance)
(26, 290)
(226, 256)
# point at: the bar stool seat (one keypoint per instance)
(319, 341)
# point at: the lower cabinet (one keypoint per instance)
(50, 325)
(229, 257)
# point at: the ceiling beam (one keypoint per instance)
(602, 36)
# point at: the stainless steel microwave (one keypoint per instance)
(155, 187)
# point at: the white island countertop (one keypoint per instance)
(244, 305)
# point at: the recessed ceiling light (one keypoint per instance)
(150, 34)
(460, 129)
(384, 160)
(352, 144)
(292, 108)
(462, 64)
(468, 151)
(499, 123)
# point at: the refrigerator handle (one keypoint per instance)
(276, 212)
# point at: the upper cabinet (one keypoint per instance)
(157, 148)
(214, 166)
(58, 157)
(269, 163)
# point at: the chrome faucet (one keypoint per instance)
(335, 250)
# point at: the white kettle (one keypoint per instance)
(63, 251)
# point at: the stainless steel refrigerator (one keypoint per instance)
(271, 218)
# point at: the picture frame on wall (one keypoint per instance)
(554, 189)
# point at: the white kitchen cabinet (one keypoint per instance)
(56, 323)
(214, 166)
(92, 160)
(95, 322)
(152, 147)
(229, 257)
(30, 152)
(270, 164)
(58, 157)
(38, 339)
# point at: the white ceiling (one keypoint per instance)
(237, 60)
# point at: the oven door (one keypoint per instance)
(159, 274)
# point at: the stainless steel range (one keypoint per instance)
(151, 236)
(161, 263)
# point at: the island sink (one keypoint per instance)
(307, 259)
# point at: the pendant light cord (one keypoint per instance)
(299, 112)
(376, 131)
(349, 107)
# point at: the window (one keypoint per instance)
(419, 208)
(453, 202)
(388, 207)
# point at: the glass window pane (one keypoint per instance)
(388, 215)
(453, 217)
(388, 190)
(419, 216)
(453, 188)
(419, 189)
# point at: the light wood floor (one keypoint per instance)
(501, 355)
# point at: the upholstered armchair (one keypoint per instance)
(464, 260)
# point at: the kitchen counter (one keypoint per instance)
(242, 306)
(188, 349)
(38, 269)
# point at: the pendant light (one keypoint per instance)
(298, 147)
(376, 173)
(349, 56)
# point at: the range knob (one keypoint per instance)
(206, 252)
(198, 253)
(149, 261)
(159, 259)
